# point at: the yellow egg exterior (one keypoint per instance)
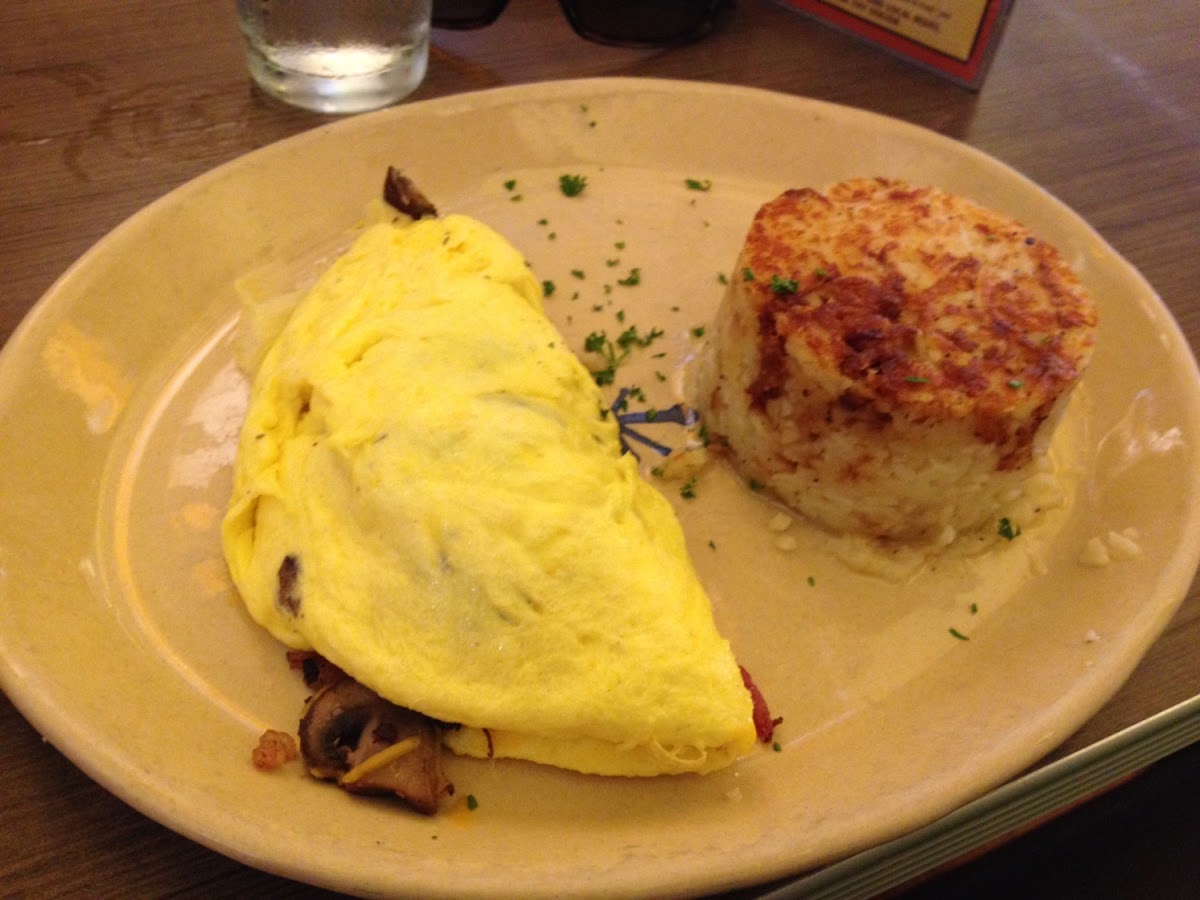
(469, 540)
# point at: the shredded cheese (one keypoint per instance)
(381, 759)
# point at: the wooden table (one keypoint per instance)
(106, 105)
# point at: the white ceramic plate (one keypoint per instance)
(124, 644)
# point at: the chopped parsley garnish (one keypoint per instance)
(547, 288)
(1016, 383)
(722, 278)
(777, 747)
(747, 274)
(616, 352)
(1008, 529)
(572, 185)
(812, 582)
(784, 285)
(756, 485)
(688, 491)
(821, 273)
(916, 379)
(697, 184)
(958, 634)
(510, 184)
(472, 803)
(630, 337)
(634, 277)
(698, 331)
(579, 273)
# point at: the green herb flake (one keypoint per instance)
(698, 184)
(620, 245)
(632, 337)
(1016, 384)
(620, 315)
(657, 471)
(578, 273)
(954, 632)
(722, 278)
(510, 184)
(916, 379)
(634, 277)
(821, 273)
(698, 331)
(777, 747)
(572, 185)
(1008, 529)
(812, 582)
(472, 803)
(747, 274)
(594, 342)
(688, 491)
(756, 485)
(784, 285)
(712, 545)
(547, 288)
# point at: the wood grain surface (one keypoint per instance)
(107, 105)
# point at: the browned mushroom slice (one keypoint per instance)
(316, 670)
(401, 193)
(351, 734)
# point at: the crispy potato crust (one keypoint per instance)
(915, 302)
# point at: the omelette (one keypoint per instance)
(429, 493)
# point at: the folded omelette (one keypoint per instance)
(430, 493)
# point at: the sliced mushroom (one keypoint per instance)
(288, 596)
(316, 670)
(401, 193)
(370, 746)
